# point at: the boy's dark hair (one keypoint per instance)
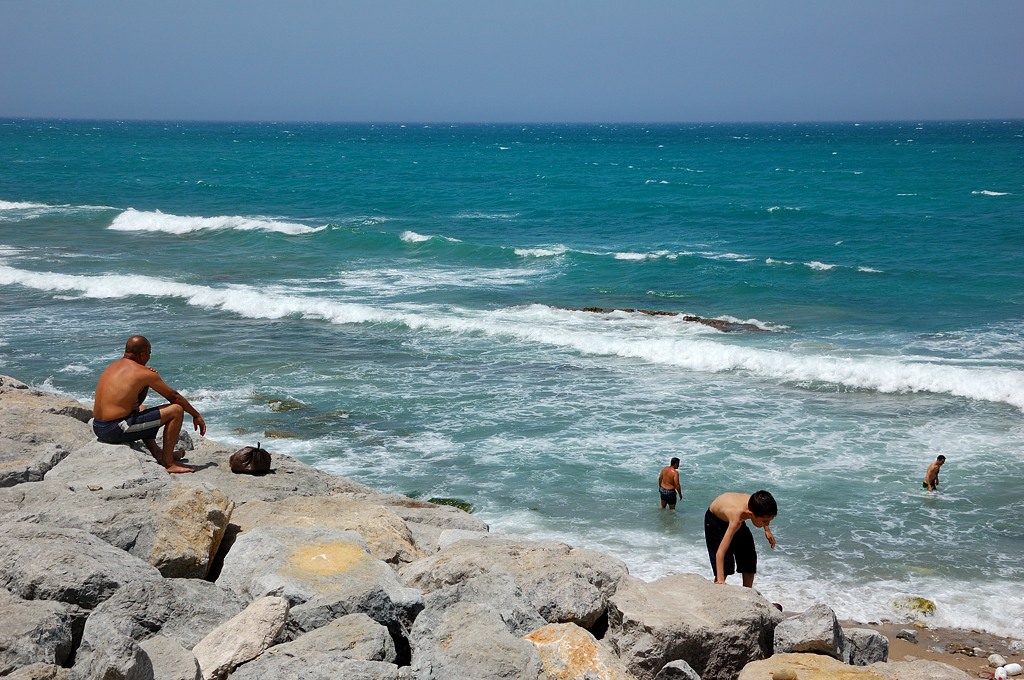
(762, 504)
(942, 458)
(674, 461)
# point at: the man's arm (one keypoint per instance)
(174, 397)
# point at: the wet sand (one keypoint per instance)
(967, 650)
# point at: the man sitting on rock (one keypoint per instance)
(118, 415)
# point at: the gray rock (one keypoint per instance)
(908, 634)
(565, 584)
(496, 591)
(288, 477)
(134, 506)
(242, 638)
(170, 660)
(864, 646)
(40, 671)
(325, 653)
(278, 666)
(716, 629)
(32, 632)
(184, 610)
(815, 631)
(110, 655)
(469, 641)
(919, 669)
(13, 391)
(323, 573)
(41, 562)
(677, 670)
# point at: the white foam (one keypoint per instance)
(986, 192)
(552, 251)
(820, 266)
(665, 341)
(156, 221)
(21, 205)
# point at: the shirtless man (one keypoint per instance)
(118, 415)
(931, 477)
(668, 484)
(730, 543)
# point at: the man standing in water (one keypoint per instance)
(931, 477)
(118, 416)
(668, 484)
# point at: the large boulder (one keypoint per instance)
(170, 660)
(125, 498)
(324, 653)
(716, 629)
(13, 392)
(864, 646)
(41, 562)
(565, 584)
(815, 631)
(184, 610)
(32, 631)
(823, 667)
(242, 638)
(323, 573)
(386, 534)
(287, 477)
(495, 591)
(37, 431)
(469, 641)
(568, 652)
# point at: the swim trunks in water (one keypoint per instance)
(136, 425)
(668, 496)
(741, 555)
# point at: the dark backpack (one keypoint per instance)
(250, 460)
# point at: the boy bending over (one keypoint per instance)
(730, 543)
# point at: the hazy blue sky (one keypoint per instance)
(516, 60)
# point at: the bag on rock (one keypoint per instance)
(250, 460)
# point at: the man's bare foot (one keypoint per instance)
(180, 469)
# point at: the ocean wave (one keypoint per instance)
(156, 221)
(551, 251)
(665, 341)
(986, 192)
(16, 211)
(413, 237)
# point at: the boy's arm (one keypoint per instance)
(723, 548)
(770, 536)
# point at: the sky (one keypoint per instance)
(459, 61)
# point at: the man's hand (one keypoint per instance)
(199, 424)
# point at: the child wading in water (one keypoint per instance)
(730, 543)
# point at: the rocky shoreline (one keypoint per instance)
(112, 569)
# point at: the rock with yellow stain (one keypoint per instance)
(324, 573)
(386, 534)
(569, 652)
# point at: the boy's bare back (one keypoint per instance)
(730, 507)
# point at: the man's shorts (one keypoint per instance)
(136, 425)
(741, 555)
(668, 496)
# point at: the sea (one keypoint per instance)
(534, 319)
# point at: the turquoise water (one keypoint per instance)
(403, 305)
